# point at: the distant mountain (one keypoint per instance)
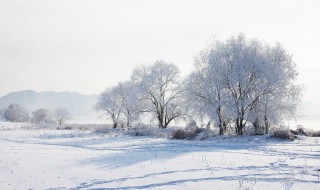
(82, 105)
(77, 104)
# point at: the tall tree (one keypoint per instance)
(245, 80)
(205, 90)
(159, 91)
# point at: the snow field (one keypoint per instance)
(72, 159)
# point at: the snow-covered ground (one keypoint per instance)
(71, 159)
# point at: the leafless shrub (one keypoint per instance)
(283, 134)
(186, 133)
(65, 128)
(305, 132)
(99, 128)
(143, 130)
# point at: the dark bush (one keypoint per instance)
(179, 134)
(305, 132)
(64, 128)
(186, 134)
(283, 135)
(295, 132)
(316, 134)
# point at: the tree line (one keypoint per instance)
(234, 83)
(16, 113)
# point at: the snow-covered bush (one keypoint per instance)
(16, 113)
(284, 134)
(207, 133)
(188, 134)
(179, 134)
(316, 134)
(305, 132)
(143, 130)
(67, 127)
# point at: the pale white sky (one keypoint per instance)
(86, 46)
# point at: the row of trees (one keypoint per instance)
(154, 89)
(234, 83)
(17, 113)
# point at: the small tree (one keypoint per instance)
(127, 94)
(16, 113)
(62, 115)
(110, 103)
(42, 116)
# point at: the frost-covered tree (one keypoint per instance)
(62, 115)
(42, 115)
(118, 102)
(276, 91)
(159, 91)
(129, 101)
(245, 80)
(205, 91)
(16, 113)
(111, 105)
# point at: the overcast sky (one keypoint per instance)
(86, 46)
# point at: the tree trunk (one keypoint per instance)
(266, 123)
(225, 126)
(256, 125)
(239, 126)
(114, 121)
(221, 127)
(115, 124)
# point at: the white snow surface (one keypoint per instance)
(72, 159)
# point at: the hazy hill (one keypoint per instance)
(82, 105)
(77, 104)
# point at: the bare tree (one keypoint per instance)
(129, 101)
(62, 115)
(110, 103)
(42, 115)
(16, 113)
(159, 91)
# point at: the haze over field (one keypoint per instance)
(86, 46)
